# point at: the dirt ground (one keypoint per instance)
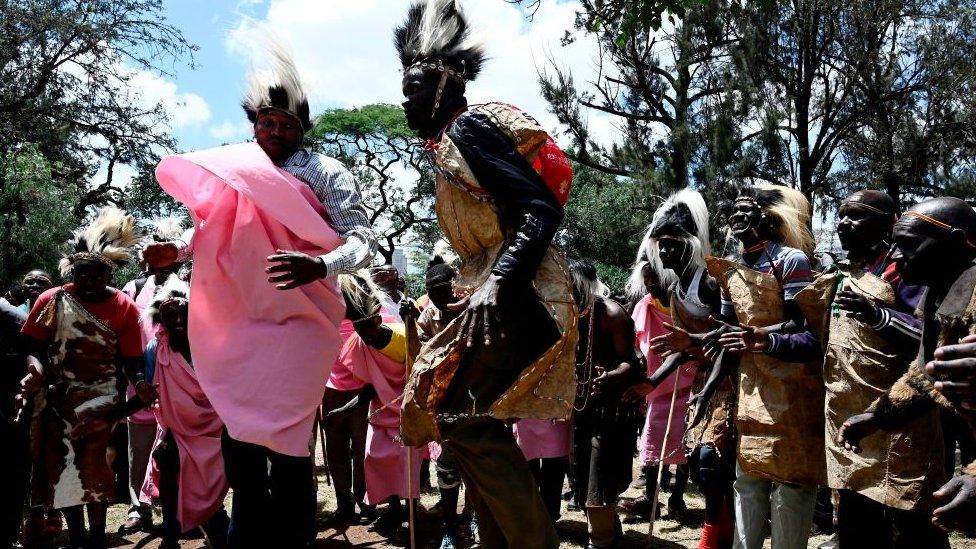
(571, 527)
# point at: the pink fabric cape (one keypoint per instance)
(386, 456)
(262, 355)
(143, 301)
(649, 323)
(185, 411)
(342, 378)
(542, 438)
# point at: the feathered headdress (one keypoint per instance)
(109, 240)
(684, 215)
(789, 210)
(436, 37)
(278, 87)
(167, 229)
(361, 294)
(174, 289)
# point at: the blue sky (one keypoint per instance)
(344, 52)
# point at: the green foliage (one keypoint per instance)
(416, 286)
(35, 215)
(396, 183)
(613, 276)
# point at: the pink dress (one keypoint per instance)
(262, 355)
(542, 438)
(386, 456)
(649, 323)
(185, 411)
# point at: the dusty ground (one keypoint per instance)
(571, 527)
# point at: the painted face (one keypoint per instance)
(36, 283)
(860, 229)
(919, 255)
(174, 315)
(674, 253)
(91, 279)
(278, 134)
(746, 216)
(420, 92)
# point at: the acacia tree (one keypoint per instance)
(67, 108)
(396, 184)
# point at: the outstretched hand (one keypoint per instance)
(160, 255)
(955, 366)
(745, 339)
(289, 270)
(958, 511)
(855, 429)
(677, 340)
(482, 316)
(858, 307)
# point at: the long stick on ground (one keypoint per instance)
(410, 500)
(664, 447)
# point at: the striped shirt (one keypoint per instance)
(792, 271)
(337, 191)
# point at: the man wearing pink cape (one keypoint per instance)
(267, 216)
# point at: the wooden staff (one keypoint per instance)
(412, 339)
(664, 446)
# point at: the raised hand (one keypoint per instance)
(955, 366)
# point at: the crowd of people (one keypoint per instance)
(779, 384)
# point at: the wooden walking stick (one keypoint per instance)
(664, 446)
(412, 341)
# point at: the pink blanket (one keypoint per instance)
(542, 438)
(386, 456)
(342, 378)
(649, 323)
(262, 355)
(185, 411)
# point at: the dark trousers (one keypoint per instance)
(863, 522)
(272, 506)
(345, 448)
(549, 474)
(167, 457)
(497, 477)
(14, 478)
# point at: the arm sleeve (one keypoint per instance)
(130, 334)
(396, 349)
(899, 325)
(149, 357)
(33, 326)
(796, 274)
(799, 347)
(528, 207)
(345, 211)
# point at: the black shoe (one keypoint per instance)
(677, 510)
(390, 522)
(343, 518)
(367, 514)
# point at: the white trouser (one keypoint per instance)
(762, 506)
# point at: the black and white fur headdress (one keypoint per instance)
(684, 215)
(436, 37)
(277, 87)
(174, 289)
(109, 239)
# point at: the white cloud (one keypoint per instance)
(227, 131)
(345, 53)
(185, 109)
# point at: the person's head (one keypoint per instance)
(16, 294)
(97, 250)
(170, 307)
(363, 305)
(587, 286)
(679, 230)
(276, 103)
(439, 283)
(165, 229)
(439, 56)
(864, 223)
(648, 275)
(772, 212)
(35, 283)
(387, 278)
(935, 241)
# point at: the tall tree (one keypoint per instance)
(397, 186)
(66, 104)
